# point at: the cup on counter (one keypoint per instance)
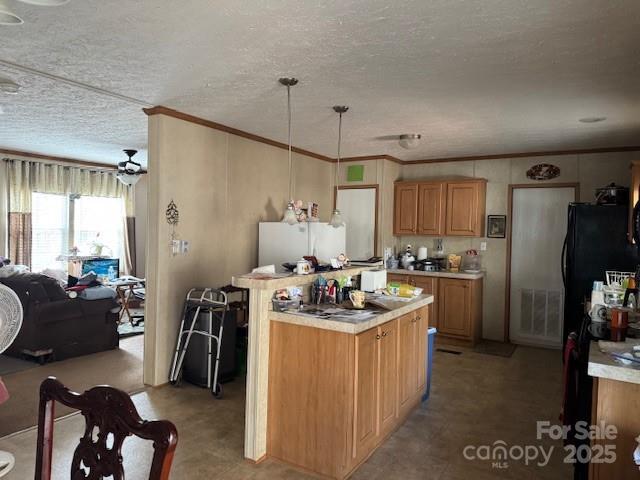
(619, 325)
(357, 298)
(303, 267)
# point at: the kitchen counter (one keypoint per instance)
(381, 316)
(441, 274)
(266, 281)
(615, 399)
(339, 389)
(602, 365)
(261, 289)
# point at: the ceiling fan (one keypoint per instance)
(129, 171)
(11, 314)
(405, 140)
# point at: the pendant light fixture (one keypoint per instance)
(336, 217)
(290, 213)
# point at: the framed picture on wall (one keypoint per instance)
(496, 226)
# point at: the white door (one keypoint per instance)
(358, 209)
(539, 225)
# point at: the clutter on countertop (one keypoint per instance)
(453, 262)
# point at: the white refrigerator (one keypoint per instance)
(280, 243)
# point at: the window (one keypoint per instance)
(61, 222)
(50, 230)
(99, 219)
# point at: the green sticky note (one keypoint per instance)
(355, 173)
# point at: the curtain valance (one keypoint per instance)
(26, 177)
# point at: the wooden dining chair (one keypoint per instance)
(110, 417)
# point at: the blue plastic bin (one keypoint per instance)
(431, 335)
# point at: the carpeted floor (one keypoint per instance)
(121, 368)
(12, 365)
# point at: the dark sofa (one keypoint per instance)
(55, 326)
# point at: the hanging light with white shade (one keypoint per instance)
(290, 213)
(336, 216)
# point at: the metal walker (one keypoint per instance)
(209, 301)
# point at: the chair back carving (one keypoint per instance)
(110, 417)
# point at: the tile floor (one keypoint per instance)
(476, 399)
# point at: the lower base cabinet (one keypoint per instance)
(334, 397)
(457, 307)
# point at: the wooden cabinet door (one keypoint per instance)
(407, 353)
(422, 327)
(365, 421)
(405, 209)
(388, 382)
(465, 213)
(429, 286)
(454, 304)
(395, 277)
(431, 208)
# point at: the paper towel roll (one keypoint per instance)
(422, 253)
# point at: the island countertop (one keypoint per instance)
(396, 309)
(603, 365)
(441, 274)
(267, 281)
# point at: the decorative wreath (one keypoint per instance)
(543, 171)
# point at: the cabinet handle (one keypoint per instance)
(418, 318)
(384, 334)
(377, 337)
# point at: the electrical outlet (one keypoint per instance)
(483, 246)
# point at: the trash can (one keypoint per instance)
(431, 335)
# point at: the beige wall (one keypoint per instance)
(382, 173)
(223, 185)
(590, 171)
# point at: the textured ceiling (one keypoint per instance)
(472, 77)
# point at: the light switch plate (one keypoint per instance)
(483, 246)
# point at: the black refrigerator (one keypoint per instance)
(596, 241)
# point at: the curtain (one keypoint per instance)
(20, 238)
(19, 216)
(25, 177)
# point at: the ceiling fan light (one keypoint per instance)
(128, 179)
(409, 140)
(9, 86)
(7, 16)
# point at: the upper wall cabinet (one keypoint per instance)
(405, 209)
(444, 207)
(431, 208)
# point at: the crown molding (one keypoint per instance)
(524, 154)
(160, 110)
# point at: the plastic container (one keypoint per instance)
(281, 305)
(431, 336)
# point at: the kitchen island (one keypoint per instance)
(323, 394)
